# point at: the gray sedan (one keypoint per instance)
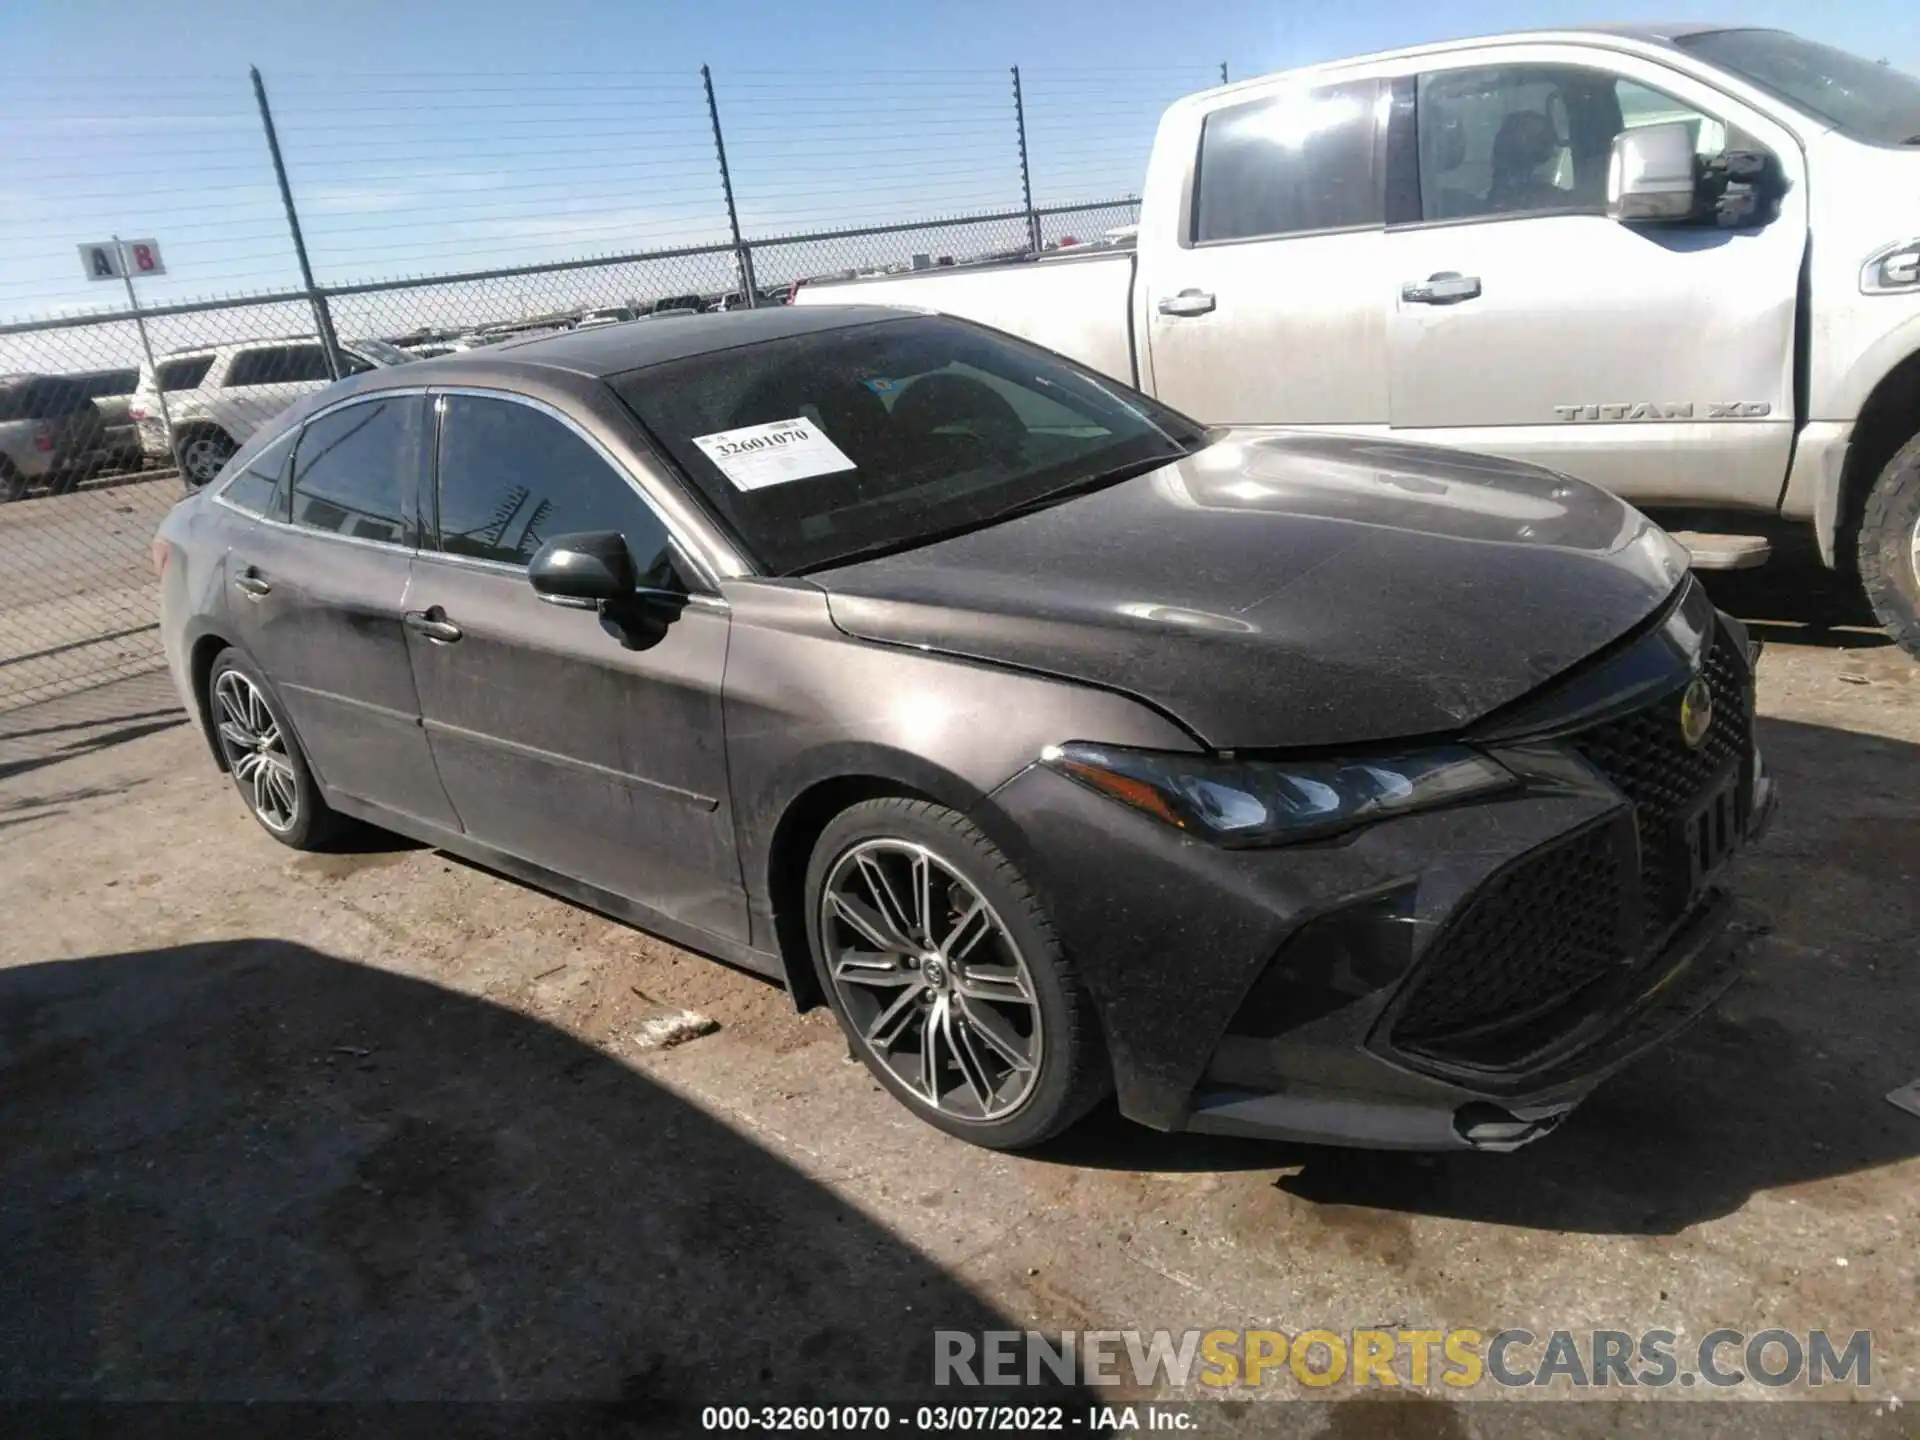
(1284, 785)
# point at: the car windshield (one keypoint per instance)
(1868, 101)
(876, 437)
(381, 353)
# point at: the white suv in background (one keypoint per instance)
(218, 395)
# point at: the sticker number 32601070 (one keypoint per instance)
(760, 455)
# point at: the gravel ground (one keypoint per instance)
(380, 1124)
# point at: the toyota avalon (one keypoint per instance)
(1277, 784)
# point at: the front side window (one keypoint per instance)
(513, 477)
(1870, 102)
(354, 468)
(279, 365)
(1532, 139)
(260, 488)
(866, 438)
(184, 374)
(1295, 162)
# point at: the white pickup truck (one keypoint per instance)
(1681, 262)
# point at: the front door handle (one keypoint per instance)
(249, 584)
(1447, 287)
(433, 624)
(1187, 302)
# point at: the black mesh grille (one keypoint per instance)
(1524, 945)
(1645, 756)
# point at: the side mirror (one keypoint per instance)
(1653, 175)
(583, 571)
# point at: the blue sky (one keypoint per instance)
(426, 138)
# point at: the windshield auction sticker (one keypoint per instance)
(761, 455)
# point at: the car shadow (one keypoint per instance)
(1784, 1083)
(1795, 600)
(254, 1171)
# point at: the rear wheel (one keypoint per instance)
(202, 453)
(944, 971)
(13, 485)
(1890, 547)
(268, 768)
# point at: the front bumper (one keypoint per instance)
(1328, 992)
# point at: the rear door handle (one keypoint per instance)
(1187, 302)
(433, 624)
(1447, 287)
(249, 583)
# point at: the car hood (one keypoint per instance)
(1288, 591)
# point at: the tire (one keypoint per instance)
(1022, 1000)
(278, 791)
(1889, 554)
(13, 485)
(202, 453)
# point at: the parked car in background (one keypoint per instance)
(1310, 785)
(112, 391)
(51, 434)
(218, 395)
(1589, 249)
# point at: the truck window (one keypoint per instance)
(1292, 163)
(1532, 139)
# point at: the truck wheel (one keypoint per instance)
(13, 484)
(202, 453)
(1890, 547)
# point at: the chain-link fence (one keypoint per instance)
(106, 414)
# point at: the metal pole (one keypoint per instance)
(1026, 176)
(743, 257)
(146, 347)
(322, 316)
(1223, 72)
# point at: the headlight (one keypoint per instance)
(1260, 802)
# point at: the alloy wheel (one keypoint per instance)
(202, 457)
(931, 980)
(256, 751)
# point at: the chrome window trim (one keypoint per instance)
(713, 558)
(715, 603)
(219, 497)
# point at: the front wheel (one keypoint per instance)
(1890, 547)
(943, 969)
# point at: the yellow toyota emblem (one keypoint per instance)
(1696, 713)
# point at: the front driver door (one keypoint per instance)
(1654, 360)
(558, 740)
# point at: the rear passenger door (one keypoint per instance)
(316, 589)
(594, 754)
(1268, 312)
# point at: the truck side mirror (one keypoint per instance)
(1652, 174)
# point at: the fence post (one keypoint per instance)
(743, 257)
(1026, 176)
(322, 316)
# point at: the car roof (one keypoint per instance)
(603, 350)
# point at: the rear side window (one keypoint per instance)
(1299, 161)
(111, 383)
(278, 365)
(355, 468)
(512, 478)
(260, 488)
(184, 374)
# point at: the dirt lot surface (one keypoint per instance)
(375, 1125)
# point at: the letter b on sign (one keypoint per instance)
(145, 262)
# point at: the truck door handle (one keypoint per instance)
(1187, 302)
(1446, 287)
(249, 583)
(433, 624)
